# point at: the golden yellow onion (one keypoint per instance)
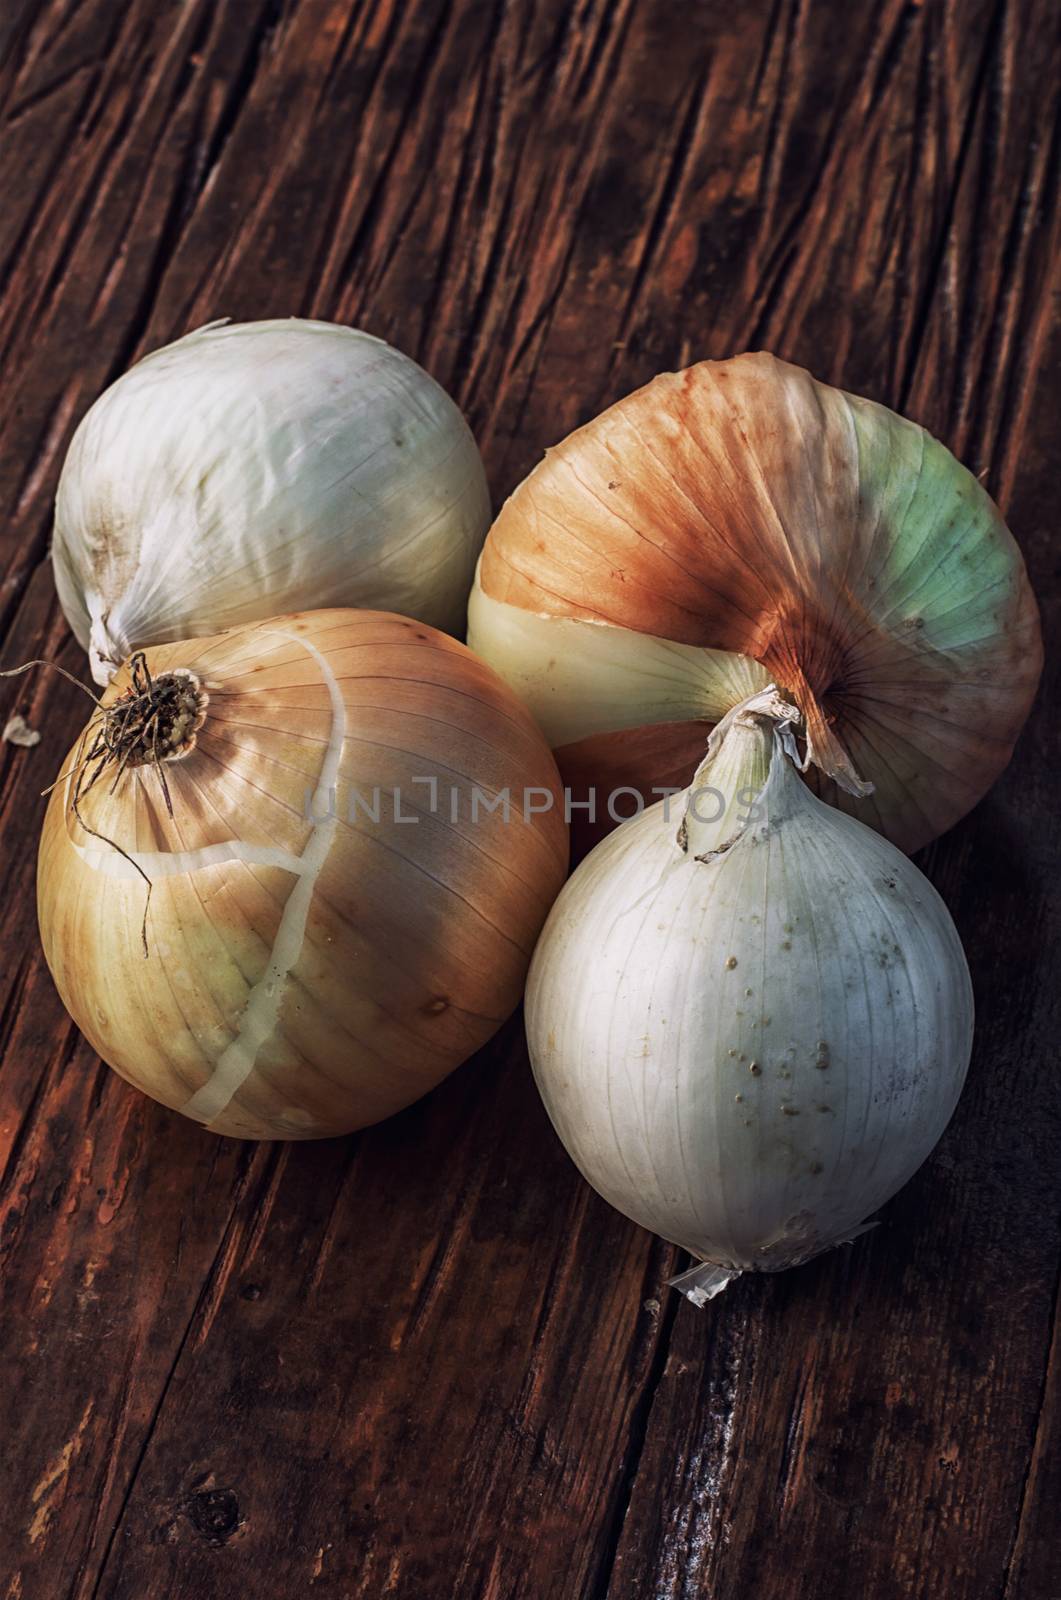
(738, 524)
(342, 906)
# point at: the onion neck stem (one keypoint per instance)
(728, 782)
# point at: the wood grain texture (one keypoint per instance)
(427, 1362)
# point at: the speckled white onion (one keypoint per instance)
(264, 467)
(749, 1044)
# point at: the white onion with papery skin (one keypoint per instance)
(749, 1015)
(312, 959)
(264, 467)
(740, 523)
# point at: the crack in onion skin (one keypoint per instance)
(416, 936)
(741, 506)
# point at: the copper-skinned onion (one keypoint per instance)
(740, 523)
(304, 968)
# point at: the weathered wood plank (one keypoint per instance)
(426, 1362)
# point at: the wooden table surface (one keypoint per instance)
(426, 1361)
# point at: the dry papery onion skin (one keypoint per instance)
(256, 468)
(740, 523)
(748, 1032)
(305, 974)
